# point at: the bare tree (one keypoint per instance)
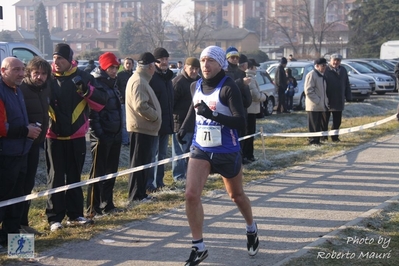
(192, 37)
(309, 26)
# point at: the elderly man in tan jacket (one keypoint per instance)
(316, 98)
(143, 121)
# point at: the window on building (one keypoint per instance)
(90, 5)
(218, 44)
(202, 45)
(78, 46)
(225, 3)
(31, 17)
(31, 8)
(125, 4)
(225, 13)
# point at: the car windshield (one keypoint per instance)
(360, 68)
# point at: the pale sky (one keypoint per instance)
(8, 22)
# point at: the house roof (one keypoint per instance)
(86, 35)
(228, 34)
(21, 35)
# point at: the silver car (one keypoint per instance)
(360, 89)
(383, 82)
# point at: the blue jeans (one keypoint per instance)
(125, 135)
(161, 148)
(179, 167)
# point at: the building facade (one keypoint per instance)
(101, 15)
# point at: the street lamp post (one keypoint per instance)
(342, 48)
(261, 31)
(40, 37)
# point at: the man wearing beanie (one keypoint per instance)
(182, 102)
(105, 139)
(281, 81)
(74, 92)
(217, 112)
(161, 83)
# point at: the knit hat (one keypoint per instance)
(243, 59)
(216, 53)
(320, 61)
(64, 50)
(108, 59)
(283, 60)
(192, 61)
(232, 51)
(160, 53)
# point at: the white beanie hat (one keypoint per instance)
(216, 53)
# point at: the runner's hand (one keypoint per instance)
(203, 109)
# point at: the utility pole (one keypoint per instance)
(40, 36)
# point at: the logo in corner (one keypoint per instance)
(21, 245)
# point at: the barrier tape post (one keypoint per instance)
(263, 143)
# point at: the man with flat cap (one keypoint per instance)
(182, 102)
(143, 121)
(338, 90)
(217, 112)
(316, 98)
(73, 93)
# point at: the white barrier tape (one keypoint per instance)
(90, 181)
(249, 136)
(331, 132)
(165, 161)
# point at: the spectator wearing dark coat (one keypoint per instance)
(105, 138)
(182, 103)
(122, 79)
(281, 81)
(36, 91)
(338, 90)
(161, 83)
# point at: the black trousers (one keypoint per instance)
(65, 159)
(141, 152)
(337, 119)
(105, 153)
(32, 163)
(281, 107)
(248, 144)
(12, 176)
(314, 125)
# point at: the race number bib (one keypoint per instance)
(209, 136)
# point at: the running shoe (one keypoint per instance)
(54, 226)
(80, 221)
(196, 257)
(253, 242)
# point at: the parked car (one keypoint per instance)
(377, 69)
(383, 82)
(300, 69)
(267, 86)
(267, 64)
(360, 89)
(23, 51)
(82, 64)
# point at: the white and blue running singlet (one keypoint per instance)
(209, 135)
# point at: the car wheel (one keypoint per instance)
(269, 106)
(302, 103)
(380, 92)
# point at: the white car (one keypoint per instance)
(299, 71)
(267, 86)
(383, 83)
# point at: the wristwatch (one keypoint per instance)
(215, 114)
